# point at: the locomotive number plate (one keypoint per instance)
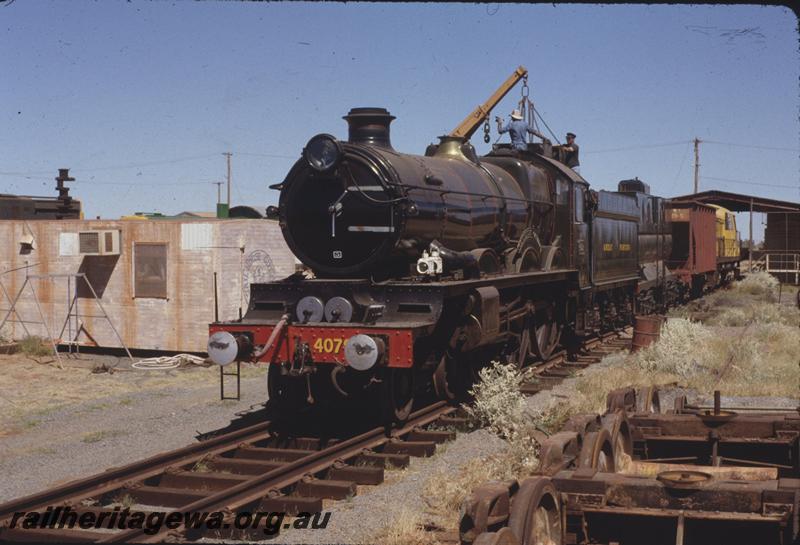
(329, 345)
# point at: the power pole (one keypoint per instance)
(697, 164)
(228, 155)
(219, 191)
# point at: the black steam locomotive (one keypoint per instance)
(426, 267)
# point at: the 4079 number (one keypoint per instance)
(329, 345)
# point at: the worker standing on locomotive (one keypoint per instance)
(519, 130)
(571, 153)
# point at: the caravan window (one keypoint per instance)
(150, 270)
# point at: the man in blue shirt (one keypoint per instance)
(519, 130)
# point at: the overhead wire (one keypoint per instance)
(683, 161)
(644, 146)
(271, 155)
(773, 148)
(748, 182)
(141, 183)
(117, 167)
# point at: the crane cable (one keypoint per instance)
(526, 104)
(548, 127)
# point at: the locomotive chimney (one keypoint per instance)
(369, 126)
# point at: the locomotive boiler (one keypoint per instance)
(360, 209)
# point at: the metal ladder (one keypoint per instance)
(237, 374)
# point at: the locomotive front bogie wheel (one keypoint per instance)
(286, 393)
(396, 394)
(535, 517)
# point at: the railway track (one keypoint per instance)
(257, 469)
(244, 470)
(563, 365)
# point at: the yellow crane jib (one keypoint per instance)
(468, 127)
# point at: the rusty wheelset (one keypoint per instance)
(692, 475)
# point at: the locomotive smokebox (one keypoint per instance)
(369, 126)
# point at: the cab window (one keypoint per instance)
(729, 223)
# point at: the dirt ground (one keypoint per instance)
(58, 425)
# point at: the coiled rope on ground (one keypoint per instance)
(168, 362)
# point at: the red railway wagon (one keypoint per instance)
(694, 243)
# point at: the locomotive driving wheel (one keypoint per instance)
(517, 350)
(545, 332)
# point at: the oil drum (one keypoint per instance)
(646, 331)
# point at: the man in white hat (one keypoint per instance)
(519, 130)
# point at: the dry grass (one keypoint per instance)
(35, 346)
(498, 405)
(29, 388)
(746, 345)
(406, 527)
(760, 284)
(752, 300)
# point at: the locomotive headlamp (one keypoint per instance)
(362, 351)
(323, 152)
(222, 348)
(225, 348)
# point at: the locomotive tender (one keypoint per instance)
(427, 267)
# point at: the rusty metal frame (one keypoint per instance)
(650, 494)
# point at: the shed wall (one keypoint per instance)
(239, 251)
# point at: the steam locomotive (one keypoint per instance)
(427, 267)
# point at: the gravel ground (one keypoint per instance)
(358, 519)
(44, 447)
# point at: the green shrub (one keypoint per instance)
(35, 346)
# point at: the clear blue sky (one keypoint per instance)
(135, 96)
